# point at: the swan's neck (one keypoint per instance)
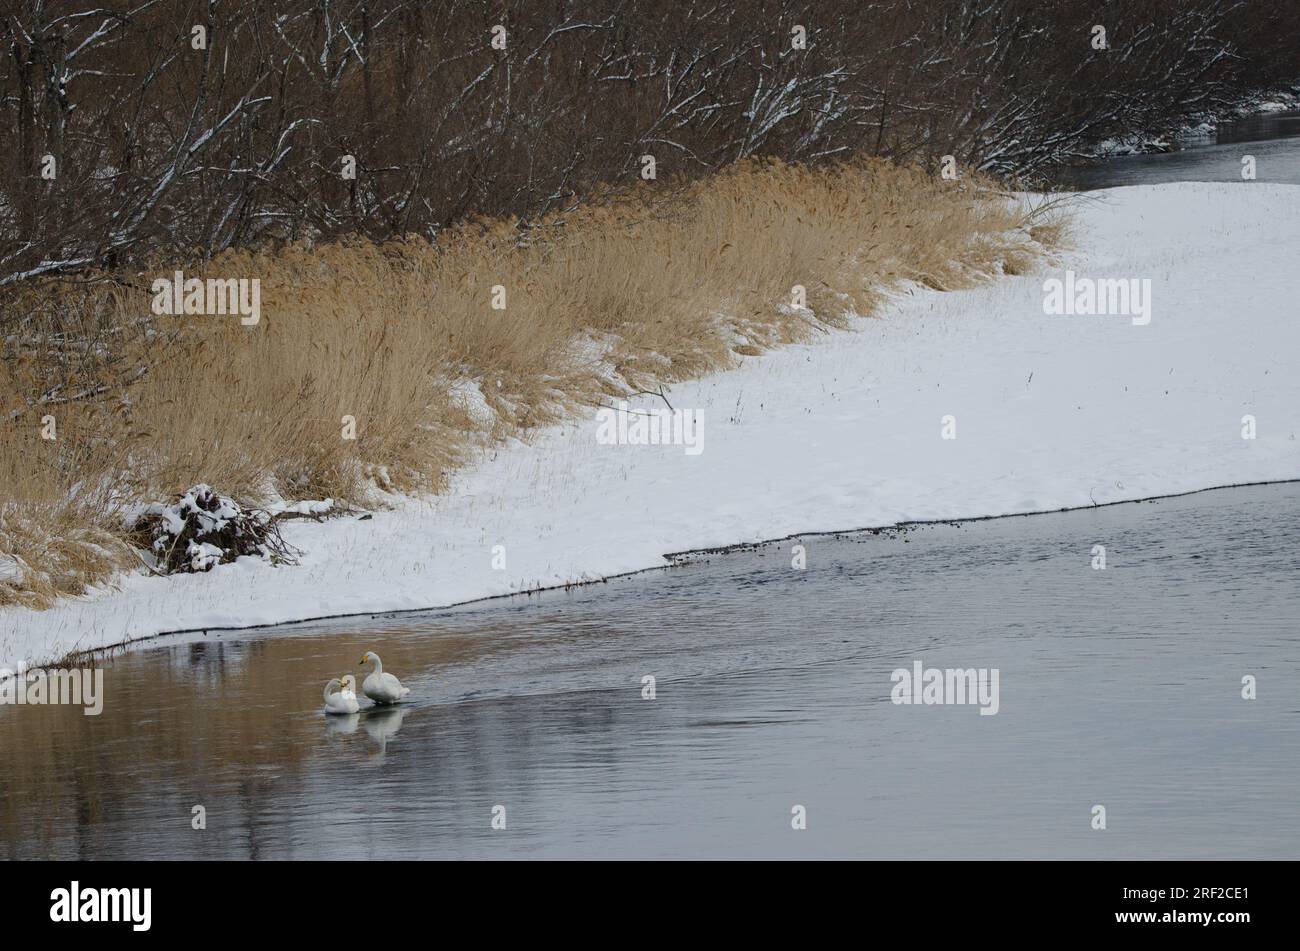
(379, 665)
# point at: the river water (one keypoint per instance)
(1270, 139)
(1119, 688)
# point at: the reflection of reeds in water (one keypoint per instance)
(215, 722)
(636, 289)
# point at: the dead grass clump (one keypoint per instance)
(47, 552)
(399, 345)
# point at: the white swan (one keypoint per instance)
(349, 689)
(379, 686)
(341, 702)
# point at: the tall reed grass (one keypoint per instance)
(631, 290)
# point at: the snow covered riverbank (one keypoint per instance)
(1048, 412)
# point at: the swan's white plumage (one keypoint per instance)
(379, 686)
(349, 689)
(342, 700)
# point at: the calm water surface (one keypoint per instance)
(1119, 687)
(1271, 139)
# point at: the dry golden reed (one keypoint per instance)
(629, 291)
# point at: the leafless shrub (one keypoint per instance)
(158, 145)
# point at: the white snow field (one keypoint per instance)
(845, 432)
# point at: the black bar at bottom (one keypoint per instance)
(347, 900)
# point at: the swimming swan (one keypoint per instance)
(379, 686)
(349, 689)
(345, 701)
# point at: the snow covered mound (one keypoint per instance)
(1048, 410)
(205, 529)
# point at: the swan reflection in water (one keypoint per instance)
(381, 723)
(342, 724)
